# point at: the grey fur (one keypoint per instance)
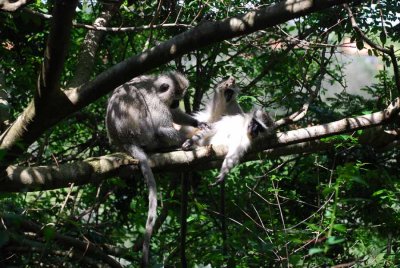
(139, 120)
(223, 102)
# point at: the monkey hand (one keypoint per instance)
(188, 145)
(203, 126)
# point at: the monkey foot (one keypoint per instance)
(219, 180)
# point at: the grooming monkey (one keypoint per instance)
(224, 102)
(237, 132)
(139, 119)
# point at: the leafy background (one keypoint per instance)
(336, 207)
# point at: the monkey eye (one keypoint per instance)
(164, 87)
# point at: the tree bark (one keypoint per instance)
(31, 124)
(96, 169)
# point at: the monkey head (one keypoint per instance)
(228, 89)
(171, 87)
(261, 123)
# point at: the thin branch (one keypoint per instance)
(185, 177)
(86, 247)
(90, 45)
(102, 28)
(387, 51)
(298, 115)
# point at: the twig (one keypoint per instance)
(282, 219)
(388, 51)
(86, 247)
(184, 214)
(114, 29)
(238, 223)
(224, 228)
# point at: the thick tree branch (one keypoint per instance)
(96, 169)
(91, 44)
(56, 50)
(48, 81)
(92, 170)
(25, 129)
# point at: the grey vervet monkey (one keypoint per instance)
(223, 102)
(139, 119)
(237, 132)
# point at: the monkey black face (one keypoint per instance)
(260, 123)
(255, 128)
(228, 94)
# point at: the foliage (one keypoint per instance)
(309, 210)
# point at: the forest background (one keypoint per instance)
(323, 193)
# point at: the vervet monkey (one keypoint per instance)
(237, 132)
(223, 102)
(140, 119)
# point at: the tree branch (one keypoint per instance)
(90, 45)
(56, 50)
(92, 170)
(96, 169)
(102, 28)
(86, 247)
(387, 51)
(25, 129)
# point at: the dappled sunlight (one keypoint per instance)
(173, 49)
(294, 6)
(52, 177)
(237, 25)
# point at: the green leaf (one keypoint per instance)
(340, 227)
(191, 218)
(333, 240)
(49, 232)
(379, 192)
(313, 251)
(328, 190)
(359, 180)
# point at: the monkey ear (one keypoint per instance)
(164, 87)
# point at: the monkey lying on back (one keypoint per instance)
(140, 119)
(237, 132)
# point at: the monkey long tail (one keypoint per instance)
(139, 154)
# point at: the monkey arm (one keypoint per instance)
(181, 118)
(169, 136)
